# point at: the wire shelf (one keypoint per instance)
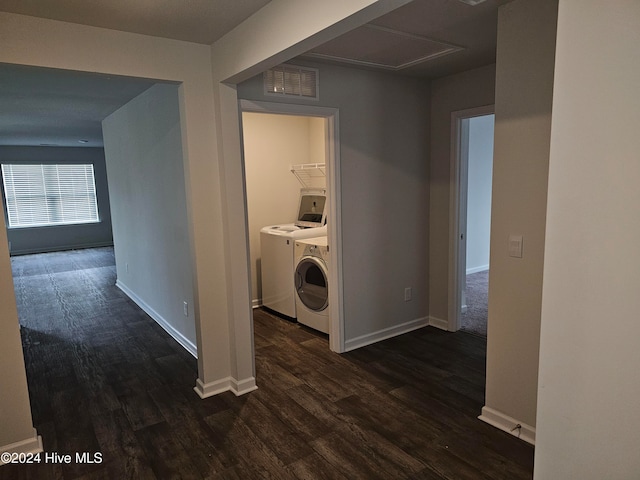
(310, 174)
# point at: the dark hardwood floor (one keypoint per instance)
(103, 377)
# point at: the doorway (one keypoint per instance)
(272, 145)
(472, 162)
(328, 118)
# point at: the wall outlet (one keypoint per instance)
(185, 309)
(126, 267)
(407, 294)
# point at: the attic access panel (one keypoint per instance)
(382, 47)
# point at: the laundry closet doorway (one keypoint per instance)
(277, 137)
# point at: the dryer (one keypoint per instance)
(277, 244)
(311, 280)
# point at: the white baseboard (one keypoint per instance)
(508, 424)
(439, 323)
(228, 384)
(59, 248)
(482, 268)
(160, 320)
(240, 387)
(385, 333)
(28, 445)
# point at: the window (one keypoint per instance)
(42, 195)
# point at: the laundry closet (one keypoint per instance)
(284, 158)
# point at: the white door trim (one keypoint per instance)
(334, 222)
(458, 209)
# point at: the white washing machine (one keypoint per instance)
(277, 243)
(277, 250)
(311, 279)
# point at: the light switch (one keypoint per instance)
(515, 246)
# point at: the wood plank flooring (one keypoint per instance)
(104, 377)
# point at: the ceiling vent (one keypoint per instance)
(292, 81)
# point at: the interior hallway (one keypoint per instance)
(104, 377)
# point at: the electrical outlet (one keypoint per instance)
(126, 267)
(407, 294)
(185, 309)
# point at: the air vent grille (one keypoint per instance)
(290, 80)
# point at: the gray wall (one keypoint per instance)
(384, 138)
(524, 91)
(470, 89)
(479, 192)
(63, 237)
(589, 381)
(143, 147)
(15, 410)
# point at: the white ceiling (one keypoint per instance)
(425, 38)
(59, 107)
(467, 34)
(198, 21)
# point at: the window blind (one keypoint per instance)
(53, 194)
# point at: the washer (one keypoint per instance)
(277, 243)
(311, 279)
(277, 250)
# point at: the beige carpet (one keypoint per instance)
(477, 296)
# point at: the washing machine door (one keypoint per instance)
(311, 281)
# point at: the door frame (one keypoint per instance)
(459, 169)
(334, 229)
